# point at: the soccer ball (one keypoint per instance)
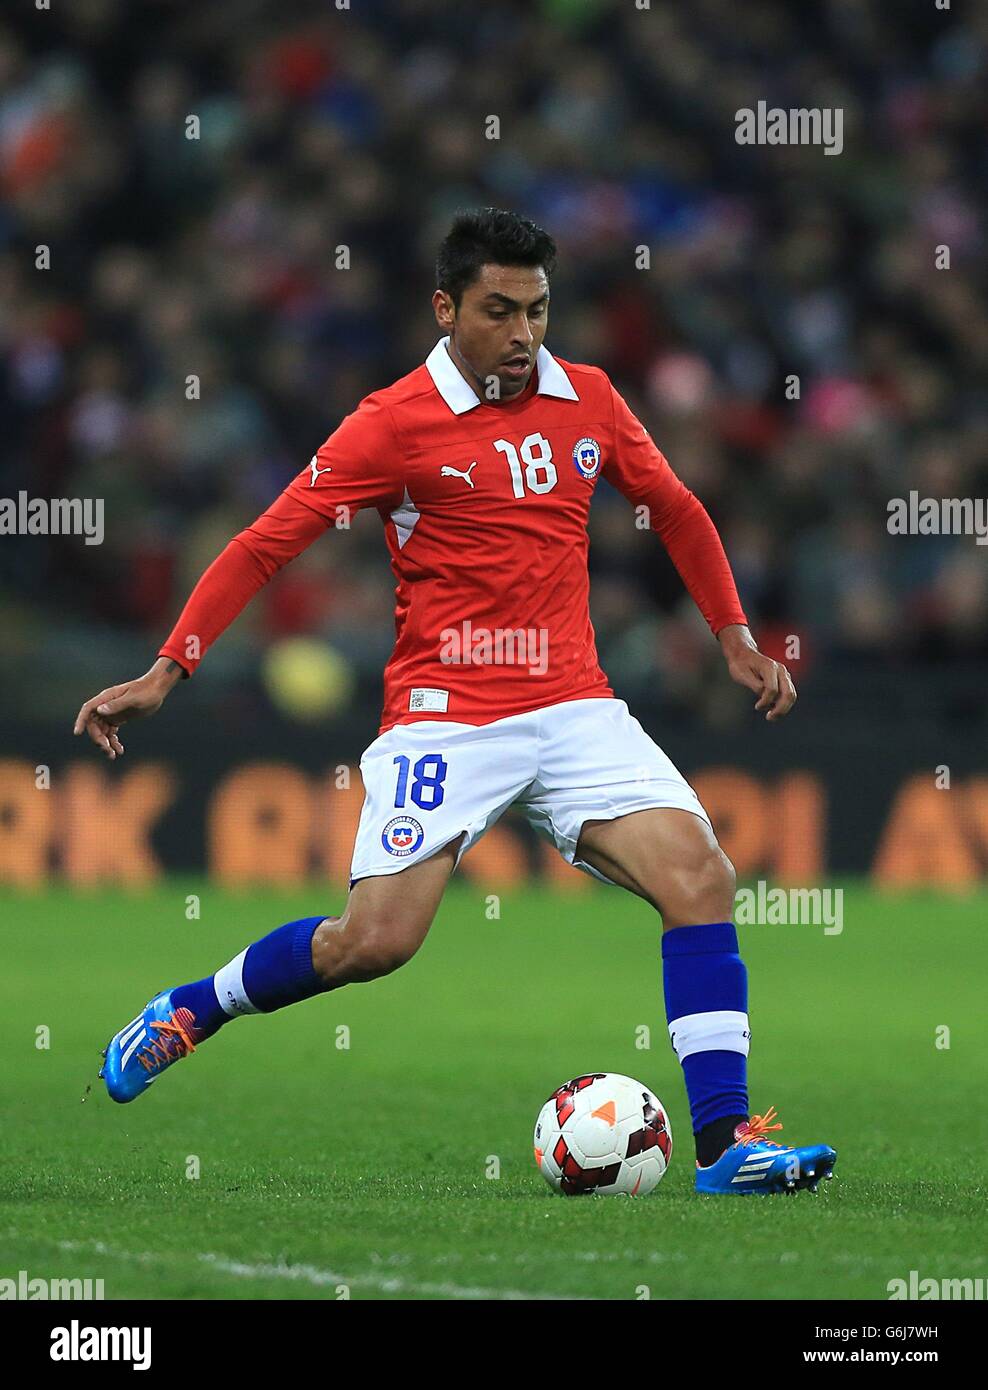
(603, 1133)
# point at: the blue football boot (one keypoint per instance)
(149, 1044)
(754, 1163)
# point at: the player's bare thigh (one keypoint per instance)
(385, 921)
(670, 858)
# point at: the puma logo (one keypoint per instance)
(447, 472)
(316, 470)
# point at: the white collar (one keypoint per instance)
(460, 396)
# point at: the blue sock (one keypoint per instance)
(200, 999)
(706, 989)
(274, 972)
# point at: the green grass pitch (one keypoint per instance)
(368, 1166)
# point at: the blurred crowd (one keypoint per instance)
(317, 128)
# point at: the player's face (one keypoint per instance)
(498, 327)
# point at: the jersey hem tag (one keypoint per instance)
(428, 701)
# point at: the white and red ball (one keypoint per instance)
(603, 1133)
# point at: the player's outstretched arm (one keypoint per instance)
(228, 585)
(641, 471)
(101, 716)
(355, 468)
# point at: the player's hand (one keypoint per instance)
(101, 716)
(769, 679)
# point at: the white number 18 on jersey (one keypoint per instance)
(540, 471)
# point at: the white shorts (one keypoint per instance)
(428, 782)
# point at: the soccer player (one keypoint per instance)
(482, 463)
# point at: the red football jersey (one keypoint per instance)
(485, 509)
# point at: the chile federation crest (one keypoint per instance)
(586, 458)
(402, 836)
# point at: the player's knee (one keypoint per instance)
(373, 947)
(381, 953)
(714, 883)
(703, 888)
(722, 880)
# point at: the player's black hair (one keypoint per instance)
(490, 236)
